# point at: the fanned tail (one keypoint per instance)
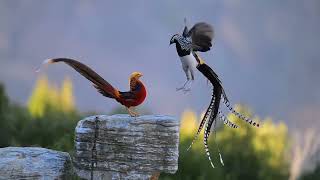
(99, 83)
(239, 115)
(226, 121)
(203, 121)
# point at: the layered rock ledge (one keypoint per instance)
(124, 147)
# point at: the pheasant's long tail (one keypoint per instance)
(211, 120)
(226, 121)
(99, 83)
(205, 141)
(239, 115)
(215, 138)
(203, 121)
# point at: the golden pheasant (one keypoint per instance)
(134, 97)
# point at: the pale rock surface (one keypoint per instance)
(34, 163)
(124, 147)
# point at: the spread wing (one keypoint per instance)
(201, 34)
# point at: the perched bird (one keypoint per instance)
(213, 110)
(198, 38)
(134, 97)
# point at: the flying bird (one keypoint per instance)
(213, 111)
(134, 97)
(198, 38)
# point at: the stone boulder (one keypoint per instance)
(34, 163)
(124, 147)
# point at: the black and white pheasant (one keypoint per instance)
(198, 38)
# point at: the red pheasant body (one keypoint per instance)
(135, 96)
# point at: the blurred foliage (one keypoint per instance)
(248, 152)
(46, 96)
(315, 174)
(48, 121)
(66, 96)
(4, 123)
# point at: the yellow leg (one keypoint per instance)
(132, 113)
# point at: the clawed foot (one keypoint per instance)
(132, 113)
(185, 88)
(180, 88)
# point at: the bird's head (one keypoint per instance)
(174, 38)
(136, 75)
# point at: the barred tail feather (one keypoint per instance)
(211, 119)
(231, 109)
(204, 119)
(215, 133)
(226, 121)
(205, 141)
(221, 160)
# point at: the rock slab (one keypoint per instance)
(124, 147)
(34, 163)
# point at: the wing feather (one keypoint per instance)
(201, 34)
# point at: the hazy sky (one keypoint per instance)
(266, 52)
